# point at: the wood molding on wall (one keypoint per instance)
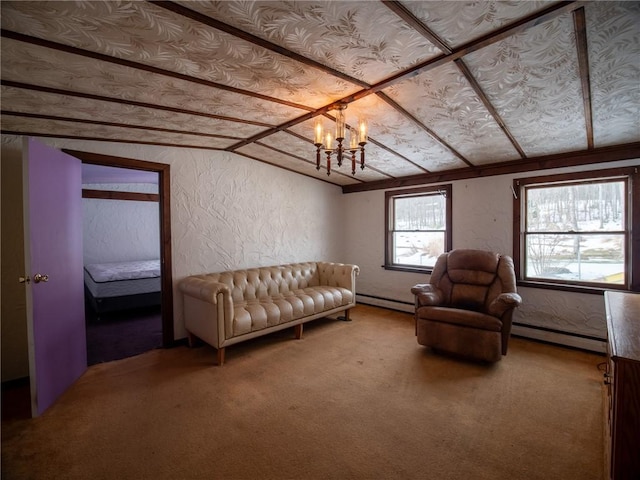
(117, 195)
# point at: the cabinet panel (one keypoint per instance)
(622, 386)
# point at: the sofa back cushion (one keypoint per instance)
(255, 283)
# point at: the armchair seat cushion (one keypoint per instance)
(463, 318)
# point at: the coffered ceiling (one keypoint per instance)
(446, 86)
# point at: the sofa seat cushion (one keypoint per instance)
(265, 312)
(456, 316)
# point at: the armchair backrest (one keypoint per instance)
(471, 279)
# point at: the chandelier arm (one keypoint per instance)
(318, 145)
(328, 163)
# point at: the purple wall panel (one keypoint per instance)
(55, 222)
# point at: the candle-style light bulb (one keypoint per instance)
(329, 142)
(353, 139)
(362, 131)
(318, 131)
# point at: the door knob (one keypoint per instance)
(38, 277)
(24, 279)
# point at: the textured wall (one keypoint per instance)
(120, 230)
(229, 212)
(482, 218)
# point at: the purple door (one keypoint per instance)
(53, 262)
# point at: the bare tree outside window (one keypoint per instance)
(576, 231)
(418, 227)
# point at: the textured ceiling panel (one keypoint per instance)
(458, 22)
(614, 56)
(364, 40)
(51, 68)
(532, 79)
(51, 104)
(74, 130)
(389, 127)
(153, 36)
(446, 87)
(443, 100)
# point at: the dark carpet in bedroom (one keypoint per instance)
(123, 334)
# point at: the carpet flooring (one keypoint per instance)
(350, 400)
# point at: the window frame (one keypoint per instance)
(390, 195)
(632, 224)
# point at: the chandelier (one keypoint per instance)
(357, 141)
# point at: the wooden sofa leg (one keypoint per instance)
(220, 356)
(298, 331)
(345, 317)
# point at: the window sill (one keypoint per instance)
(407, 268)
(599, 290)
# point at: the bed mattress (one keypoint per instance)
(116, 279)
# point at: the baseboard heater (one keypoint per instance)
(551, 335)
(390, 303)
(535, 332)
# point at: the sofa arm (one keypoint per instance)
(504, 302)
(207, 309)
(203, 289)
(338, 275)
(426, 294)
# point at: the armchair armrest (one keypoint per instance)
(503, 303)
(427, 294)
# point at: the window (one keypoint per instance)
(418, 224)
(575, 230)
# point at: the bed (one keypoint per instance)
(118, 286)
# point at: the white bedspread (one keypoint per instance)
(118, 271)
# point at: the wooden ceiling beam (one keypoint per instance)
(580, 25)
(403, 12)
(426, 32)
(534, 19)
(248, 37)
(433, 134)
(34, 133)
(614, 153)
(155, 106)
(488, 105)
(141, 66)
(113, 124)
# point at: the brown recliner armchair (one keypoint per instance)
(467, 306)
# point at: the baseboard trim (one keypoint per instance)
(390, 303)
(560, 338)
(533, 332)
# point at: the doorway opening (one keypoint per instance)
(146, 321)
(121, 257)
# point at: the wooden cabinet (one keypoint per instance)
(622, 386)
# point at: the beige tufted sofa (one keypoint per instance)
(229, 307)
